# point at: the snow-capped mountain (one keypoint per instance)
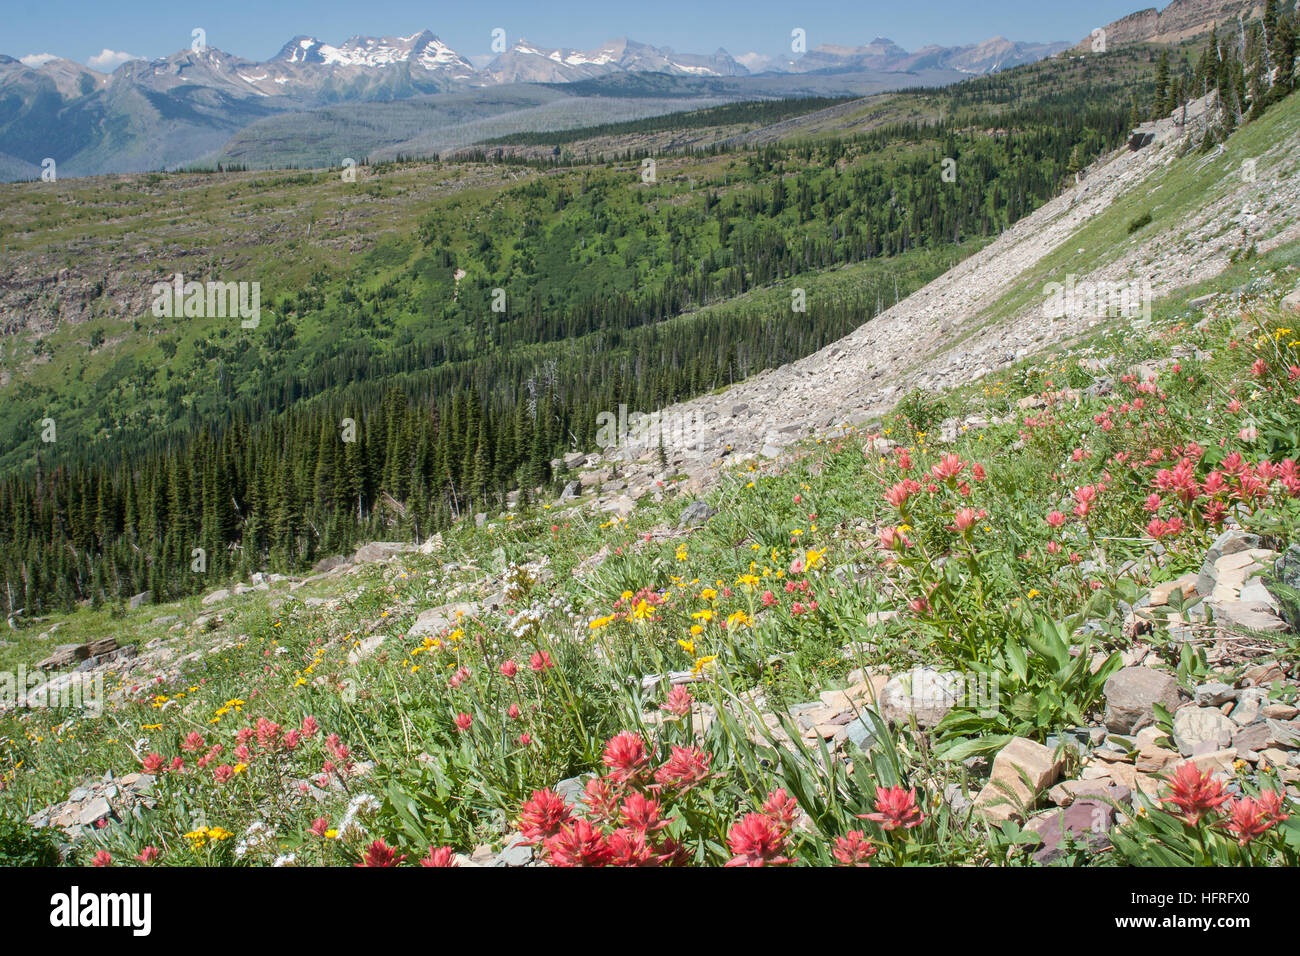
(420, 49)
(176, 109)
(527, 62)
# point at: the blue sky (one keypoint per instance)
(82, 30)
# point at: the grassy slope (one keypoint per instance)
(286, 657)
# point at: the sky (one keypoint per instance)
(104, 34)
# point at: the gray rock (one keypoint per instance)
(437, 619)
(380, 551)
(862, 733)
(329, 564)
(1130, 695)
(516, 852)
(1229, 542)
(1214, 693)
(139, 600)
(93, 812)
(1252, 617)
(695, 514)
(573, 790)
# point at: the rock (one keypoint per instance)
(137, 601)
(1160, 594)
(924, 693)
(517, 852)
(1283, 733)
(1248, 706)
(861, 732)
(1251, 739)
(365, 648)
(94, 811)
(1252, 617)
(1215, 761)
(1066, 792)
(432, 544)
(1280, 711)
(1262, 675)
(572, 490)
(1021, 771)
(622, 506)
(1291, 300)
(1229, 542)
(1153, 758)
(1215, 693)
(379, 551)
(1254, 593)
(1122, 774)
(574, 792)
(1086, 821)
(329, 564)
(1275, 757)
(215, 597)
(1130, 694)
(1202, 729)
(438, 619)
(165, 619)
(695, 514)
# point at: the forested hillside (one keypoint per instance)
(467, 344)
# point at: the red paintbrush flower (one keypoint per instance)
(380, 853)
(895, 808)
(1194, 793)
(853, 849)
(626, 757)
(442, 856)
(757, 840)
(578, 845)
(543, 815)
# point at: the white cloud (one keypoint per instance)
(35, 60)
(109, 60)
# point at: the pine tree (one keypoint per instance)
(1162, 104)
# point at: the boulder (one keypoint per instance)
(695, 514)
(379, 551)
(1086, 821)
(329, 564)
(1130, 694)
(1022, 770)
(435, 620)
(215, 597)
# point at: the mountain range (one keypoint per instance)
(184, 108)
(188, 107)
